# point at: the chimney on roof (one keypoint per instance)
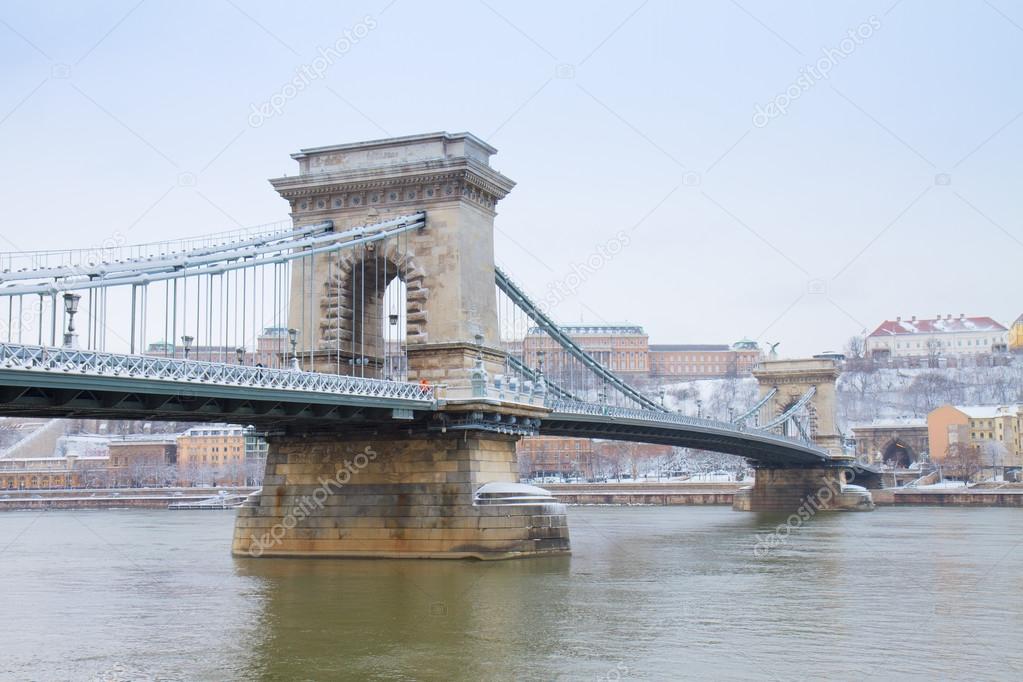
(913, 319)
(898, 319)
(961, 316)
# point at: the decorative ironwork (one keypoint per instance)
(94, 363)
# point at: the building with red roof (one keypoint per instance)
(940, 336)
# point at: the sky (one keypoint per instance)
(791, 172)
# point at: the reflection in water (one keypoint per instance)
(329, 619)
(649, 593)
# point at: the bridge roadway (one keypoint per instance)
(54, 382)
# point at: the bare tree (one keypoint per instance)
(962, 461)
(854, 347)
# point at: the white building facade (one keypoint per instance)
(941, 336)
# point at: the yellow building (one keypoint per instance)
(998, 428)
(1016, 335)
(212, 454)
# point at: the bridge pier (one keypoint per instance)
(786, 489)
(398, 495)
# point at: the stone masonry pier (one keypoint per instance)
(788, 489)
(394, 496)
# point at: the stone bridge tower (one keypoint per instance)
(447, 267)
(432, 484)
(793, 378)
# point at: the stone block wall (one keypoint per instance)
(786, 490)
(393, 496)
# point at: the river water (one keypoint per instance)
(658, 593)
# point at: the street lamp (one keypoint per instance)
(293, 340)
(699, 407)
(393, 319)
(240, 354)
(661, 393)
(186, 341)
(71, 307)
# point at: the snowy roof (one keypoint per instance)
(602, 329)
(939, 325)
(137, 438)
(203, 429)
(988, 411)
(893, 423)
(668, 347)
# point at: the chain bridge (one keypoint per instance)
(391, 363)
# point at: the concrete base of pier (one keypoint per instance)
(787, 490)
(398, 496)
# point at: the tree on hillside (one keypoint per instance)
(933, 389)
(854, 347)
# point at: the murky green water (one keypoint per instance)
(650, 593)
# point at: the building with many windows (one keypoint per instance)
(46, 473)
(625, 349)
(142, 459)
(996, 429)
(212, 454)
(621, 348)
(703, 361)
(939, 337)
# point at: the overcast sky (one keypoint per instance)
(885, 182)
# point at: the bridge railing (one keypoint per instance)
(96, 363)
(598, 409)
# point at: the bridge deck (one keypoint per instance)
(53, 382)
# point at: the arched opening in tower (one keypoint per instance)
(375, 304)
(394, 330)
(803, 422)
(898, 454)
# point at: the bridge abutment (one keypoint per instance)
(397, 495)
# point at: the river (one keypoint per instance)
(650, 593)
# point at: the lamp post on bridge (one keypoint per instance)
(699, 408)
(186, 342)
(240, 354)
(293, 338)
(71, 307)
